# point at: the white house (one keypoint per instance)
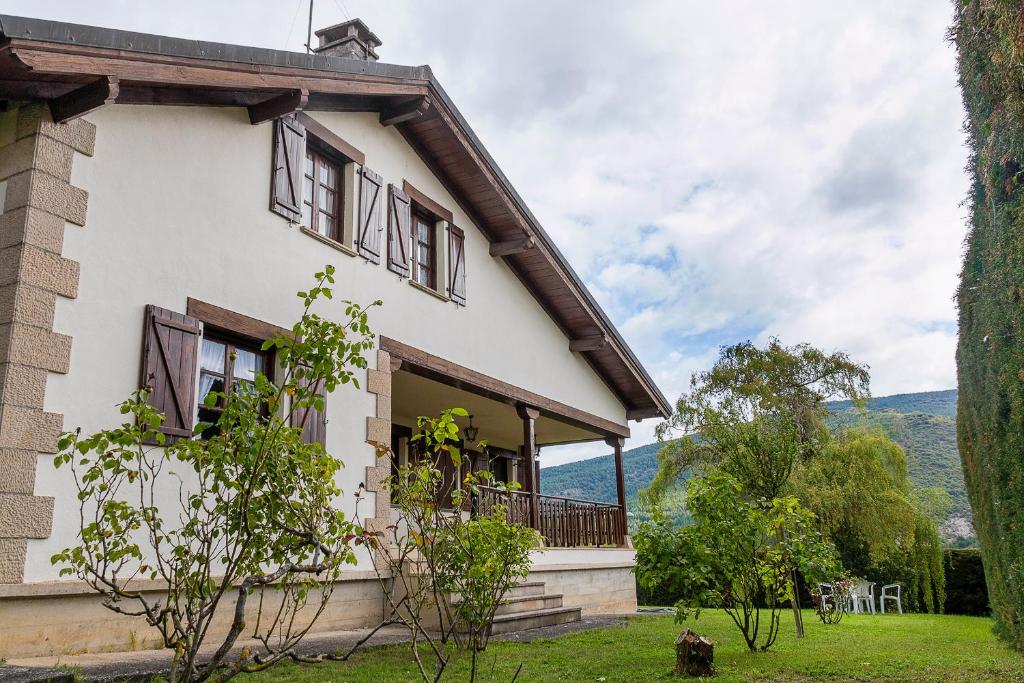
(162, 199)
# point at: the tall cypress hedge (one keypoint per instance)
(989, 36)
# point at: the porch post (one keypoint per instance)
(529, 416)
(617, 443)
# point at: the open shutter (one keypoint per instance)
(169, 367)
(289, 161)
(371, 220)
(312, 421)
(457, 265)
(399, 222)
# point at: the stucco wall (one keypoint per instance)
(178, 201)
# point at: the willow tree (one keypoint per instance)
(756, 414)
(859, 489)
(989, 36)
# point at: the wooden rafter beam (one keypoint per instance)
(510, 247)
(592, 343)
(640, 414)
(276, 107)
(83, 100)
(405, 112)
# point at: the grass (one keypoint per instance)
(909, 648)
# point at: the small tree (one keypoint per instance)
(756, 415)
(738, 554)
(254, 507)
(445, 573)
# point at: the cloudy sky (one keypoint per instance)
(714, 171)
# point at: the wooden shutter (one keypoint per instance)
(457, 265)
(314, 428)
(399, 222)
(288, 172)
(371, 220)
(170, 350)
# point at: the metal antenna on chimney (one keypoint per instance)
(309, 29)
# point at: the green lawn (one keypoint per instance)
(861, 648)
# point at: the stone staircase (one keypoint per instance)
(527, 606)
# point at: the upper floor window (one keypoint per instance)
(424, 261)
(322, 195)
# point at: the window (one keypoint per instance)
(226, 366)
(424, 253)
(322, 195)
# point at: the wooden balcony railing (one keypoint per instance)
(564, 522)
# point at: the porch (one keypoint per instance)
(515, 424)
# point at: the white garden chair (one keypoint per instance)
(862, 597)
(893, 596)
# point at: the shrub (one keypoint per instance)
(739, 554)
(966, 592)
(252, 506)
(990, 365)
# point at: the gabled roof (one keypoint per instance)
(42, 59)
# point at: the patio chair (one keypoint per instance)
(863, 597)
(894, 596)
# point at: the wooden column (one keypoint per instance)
(617, 443)
(529, 416)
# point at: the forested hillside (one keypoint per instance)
(923, 423)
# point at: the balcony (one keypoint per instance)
(562, 522)
(516, 425)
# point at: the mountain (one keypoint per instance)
(923, 423)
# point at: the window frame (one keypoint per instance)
(231, 342)
(419, 214)
(321, 154)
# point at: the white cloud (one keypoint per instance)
(711, 170)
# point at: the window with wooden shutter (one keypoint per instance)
(371, 220)
(399, 220)
(312, 421)
(169, 367)
(287, 174)
(457, 265)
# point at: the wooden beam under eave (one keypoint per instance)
(407, 111)
(592, 343)
(511, 247)
(276, 107)
(639, 414)
(81, 101)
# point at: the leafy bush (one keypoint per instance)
(966, 592)
(253, 506)
(443, 574)
(738, 554)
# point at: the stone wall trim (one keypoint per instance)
(39, 202)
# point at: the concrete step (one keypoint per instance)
(526, 588)
(530, 603)
(522, 621)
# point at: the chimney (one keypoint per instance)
(350, 40)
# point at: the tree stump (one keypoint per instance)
(695, 655)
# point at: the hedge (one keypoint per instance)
(990, 353)
(966, 592)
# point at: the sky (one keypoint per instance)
(715, 172)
